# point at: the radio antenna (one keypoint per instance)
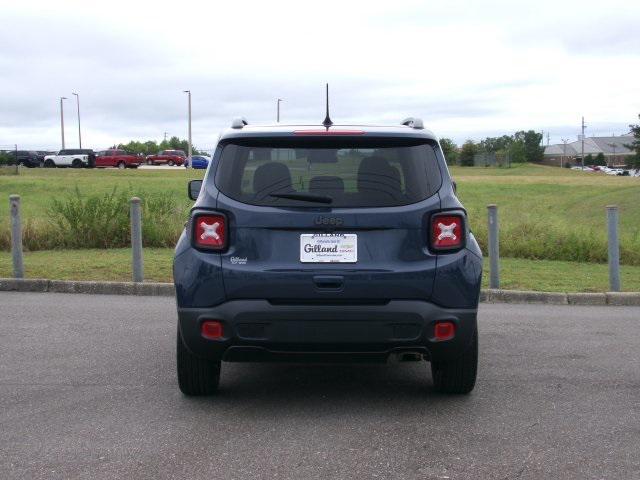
(327, 121)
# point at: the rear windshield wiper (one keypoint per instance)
(306, 197)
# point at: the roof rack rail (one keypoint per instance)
(239, 122)
(413, 122)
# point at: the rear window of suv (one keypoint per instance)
(338, 173)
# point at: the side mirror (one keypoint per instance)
(194, 189)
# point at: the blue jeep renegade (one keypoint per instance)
(327, 244)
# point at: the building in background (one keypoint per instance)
(614, 149)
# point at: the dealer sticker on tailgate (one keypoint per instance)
(328, 247)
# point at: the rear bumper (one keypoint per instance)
(257, 330)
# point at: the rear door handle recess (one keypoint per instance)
(328, 282)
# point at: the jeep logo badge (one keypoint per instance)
(328, 221)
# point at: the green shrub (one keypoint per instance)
(5, 158)
(547, 240)
(467, 153)
(7, 163)
(94, 221)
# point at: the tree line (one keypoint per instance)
(635, 144)
(517, 148)
(522, 146)
(151, 147)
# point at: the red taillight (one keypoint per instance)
(212, 329)
(444, 331)
(328, 132)
(447, 232)
(210, 231)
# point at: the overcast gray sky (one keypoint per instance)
(469, 68)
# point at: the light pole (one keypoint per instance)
(564, 151)
(278, 114)
(79, 134)
(188, 92)
(62, 120)
(582, 152)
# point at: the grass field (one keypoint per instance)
(37, 186)
(115, 265)
(552, 213)
(545, 213)
(69, 208)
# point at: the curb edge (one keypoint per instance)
(167, 290)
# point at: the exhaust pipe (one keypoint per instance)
(409, 357)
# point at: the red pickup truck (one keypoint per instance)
(169, 157)
(118, 158)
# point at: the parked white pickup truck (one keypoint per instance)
(71, 157)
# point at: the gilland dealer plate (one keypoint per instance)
(328, 248)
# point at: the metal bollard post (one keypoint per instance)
(614, 248)
(494, 250)
(136, 240)
(16, 236)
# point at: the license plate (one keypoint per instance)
(328, 248)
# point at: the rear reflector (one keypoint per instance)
(212, 329)
(328, 132)
(444, 331)
(447, 232)
(210, 231)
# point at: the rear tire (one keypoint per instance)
(459, 375)
(49, 164)
(149, 162)
(170, 163)
(77, 163)
(121, 165)
(196, 376)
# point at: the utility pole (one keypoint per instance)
(564, 151)
(165, 136)
(62, 120)
(548, 138)
(278, 114)
(79, 133)
(582, 138)
(188, 92)
(613, 161)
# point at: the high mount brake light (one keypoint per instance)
(447, 232)
(210, 231)
(321, 133)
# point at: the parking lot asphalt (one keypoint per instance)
(88, 390)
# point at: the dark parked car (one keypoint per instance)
(197, 161)
(28, 158)
(336, 243)
(167, 157)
